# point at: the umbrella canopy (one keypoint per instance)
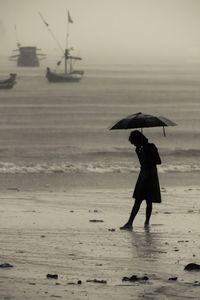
(140, 120)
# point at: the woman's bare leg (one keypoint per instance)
(133, 214)
(148, 213)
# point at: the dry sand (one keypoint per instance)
(49, 232)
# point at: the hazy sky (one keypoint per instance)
(120, 31)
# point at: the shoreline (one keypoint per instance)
(64, 182)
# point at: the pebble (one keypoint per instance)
(135, 278)
(52, 276)
(6, 265)
(192, 267)
(173, 278)
(97, 281)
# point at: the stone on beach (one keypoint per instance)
(135, 278)
(6, 265)
(192, 267)
(73, 283)
(97, 281)
(52, 276)
(173, 278)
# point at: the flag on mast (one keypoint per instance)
(69, 18)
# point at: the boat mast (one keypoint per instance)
(69, 20)
(66, 46)
(16, 36)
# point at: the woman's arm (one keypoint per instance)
(155, 155)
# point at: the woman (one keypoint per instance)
(147, 186)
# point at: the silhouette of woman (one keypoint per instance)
(147, 186)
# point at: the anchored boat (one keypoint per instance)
(70, 74)
(8, 83)
(27, 56)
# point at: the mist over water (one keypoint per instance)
(104, 32)
(47, 128)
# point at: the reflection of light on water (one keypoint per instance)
(147, 244)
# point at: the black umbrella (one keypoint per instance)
(140, 120)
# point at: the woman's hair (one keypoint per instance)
(136, 137)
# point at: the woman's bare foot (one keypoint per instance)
(127, 227)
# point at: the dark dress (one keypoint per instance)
(147, 186)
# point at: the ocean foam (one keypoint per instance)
(101, 168)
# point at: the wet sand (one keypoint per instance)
(50, 232)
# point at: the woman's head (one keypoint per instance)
(137, 138)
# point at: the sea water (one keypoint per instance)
(64, 127)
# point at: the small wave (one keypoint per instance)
(83, 168)
(11, 168)
(182, 152)
(127, 152)
(180, 168)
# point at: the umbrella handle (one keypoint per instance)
(164, 131)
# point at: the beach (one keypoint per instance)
(47, 232)
(67, 182)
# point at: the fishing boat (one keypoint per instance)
(8, 83)
(27, 56)
(69, 74)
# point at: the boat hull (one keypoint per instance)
(8, 83)
(27, 62)
(6, 86)
(27, 57)
(56, 77)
